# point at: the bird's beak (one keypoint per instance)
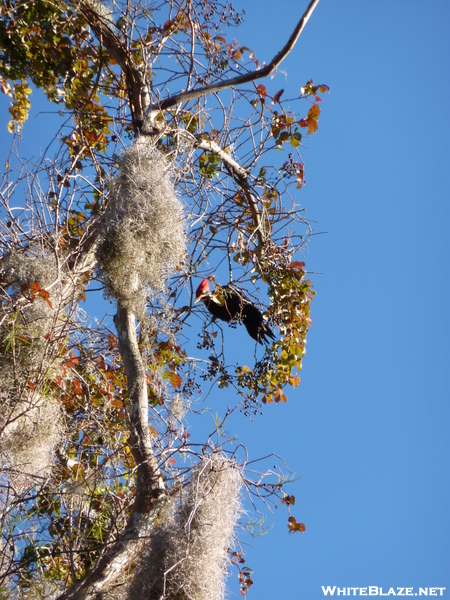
(199, 299)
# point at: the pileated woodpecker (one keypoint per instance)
(227, 304)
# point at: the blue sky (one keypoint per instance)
(369, 424)
(368, 428)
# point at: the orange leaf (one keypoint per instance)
(261, 89)
(279, 396)
(175, 379)
(297, 265)
(313, 126)
(314, 112)
(294, 526)
(117, 403)
(45, 295)
(294, 380)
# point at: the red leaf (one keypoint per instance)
(261, 89)
(277, 96)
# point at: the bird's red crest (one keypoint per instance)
(203, 288)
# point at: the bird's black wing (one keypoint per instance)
(255, 324)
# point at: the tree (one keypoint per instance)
(159, 176)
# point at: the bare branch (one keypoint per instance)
(241, 79)
(240, 176)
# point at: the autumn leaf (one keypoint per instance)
(277, 96)
(294, 380)
(296, 265)
(175, 380)
(288, 500)
(314, 112)
(45, 295)
(249, 50)
(278, 396)
(312, 126)
(294, 526)
(261, 89)
(313, 115)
